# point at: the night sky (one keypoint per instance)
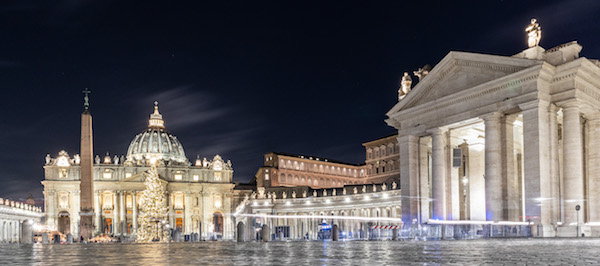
(238, 79)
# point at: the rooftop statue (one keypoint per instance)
(405, 85)
(422, 72)
(534, 33)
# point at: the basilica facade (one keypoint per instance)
(199, 193)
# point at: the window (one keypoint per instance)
(107, 174)
(178, 202)
(178, 176)
(218, 202)
(63, 200)
(376, 153)
(218, 176)
(129, 202)
(107, 202)
(196, 177)
(266, 176)
(282, 178)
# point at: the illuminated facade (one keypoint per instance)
(357, 210)
(287, 170)
(487, 138)
(382, 162)
(199, 194)
(17, 220)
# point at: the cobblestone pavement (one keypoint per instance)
(464, 252)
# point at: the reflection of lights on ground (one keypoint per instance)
(358, 218)
(467, 222)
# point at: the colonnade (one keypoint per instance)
(535, 170)
(305, 227)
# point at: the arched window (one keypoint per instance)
(107, 202)
(289, 179)
(303, 180)
(328, 182)
(316, 183)
(218, 201)
(63, 200)
(282, 178)
(296, 180)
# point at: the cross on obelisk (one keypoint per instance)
(86, 99)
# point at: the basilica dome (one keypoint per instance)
(156, 143)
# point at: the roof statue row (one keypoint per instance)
(152, 144)
(534, 35)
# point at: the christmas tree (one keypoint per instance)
(153, 210)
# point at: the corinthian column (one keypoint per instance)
(438, 171)
(573, 163)
(115, 223)
(409, 176)
(536, 161)
(511, 185)
(135, 211)
(493, 162)
(98, 213)
(122, 216)
(594, 167)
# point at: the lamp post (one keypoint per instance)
(577, 208)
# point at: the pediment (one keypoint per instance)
(459, 71)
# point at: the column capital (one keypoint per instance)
(493, 116)
(534, 104)
(569, 104)
(552, 108)
(509, 119)
(437, 130)
(407, 138)
(595, 118)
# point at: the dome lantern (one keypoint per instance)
(156, 120)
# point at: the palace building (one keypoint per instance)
(500, 139)
(199, 193)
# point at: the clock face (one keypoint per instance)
(218, 165)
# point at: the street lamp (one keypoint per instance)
(577, 208)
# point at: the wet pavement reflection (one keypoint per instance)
(464, 252)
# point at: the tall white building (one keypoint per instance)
(504, 139)
(199, 193)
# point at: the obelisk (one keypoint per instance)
(86, 184)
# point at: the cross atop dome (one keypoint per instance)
(156, 120)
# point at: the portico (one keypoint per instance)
(504, 139)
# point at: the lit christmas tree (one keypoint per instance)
(153, 210)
